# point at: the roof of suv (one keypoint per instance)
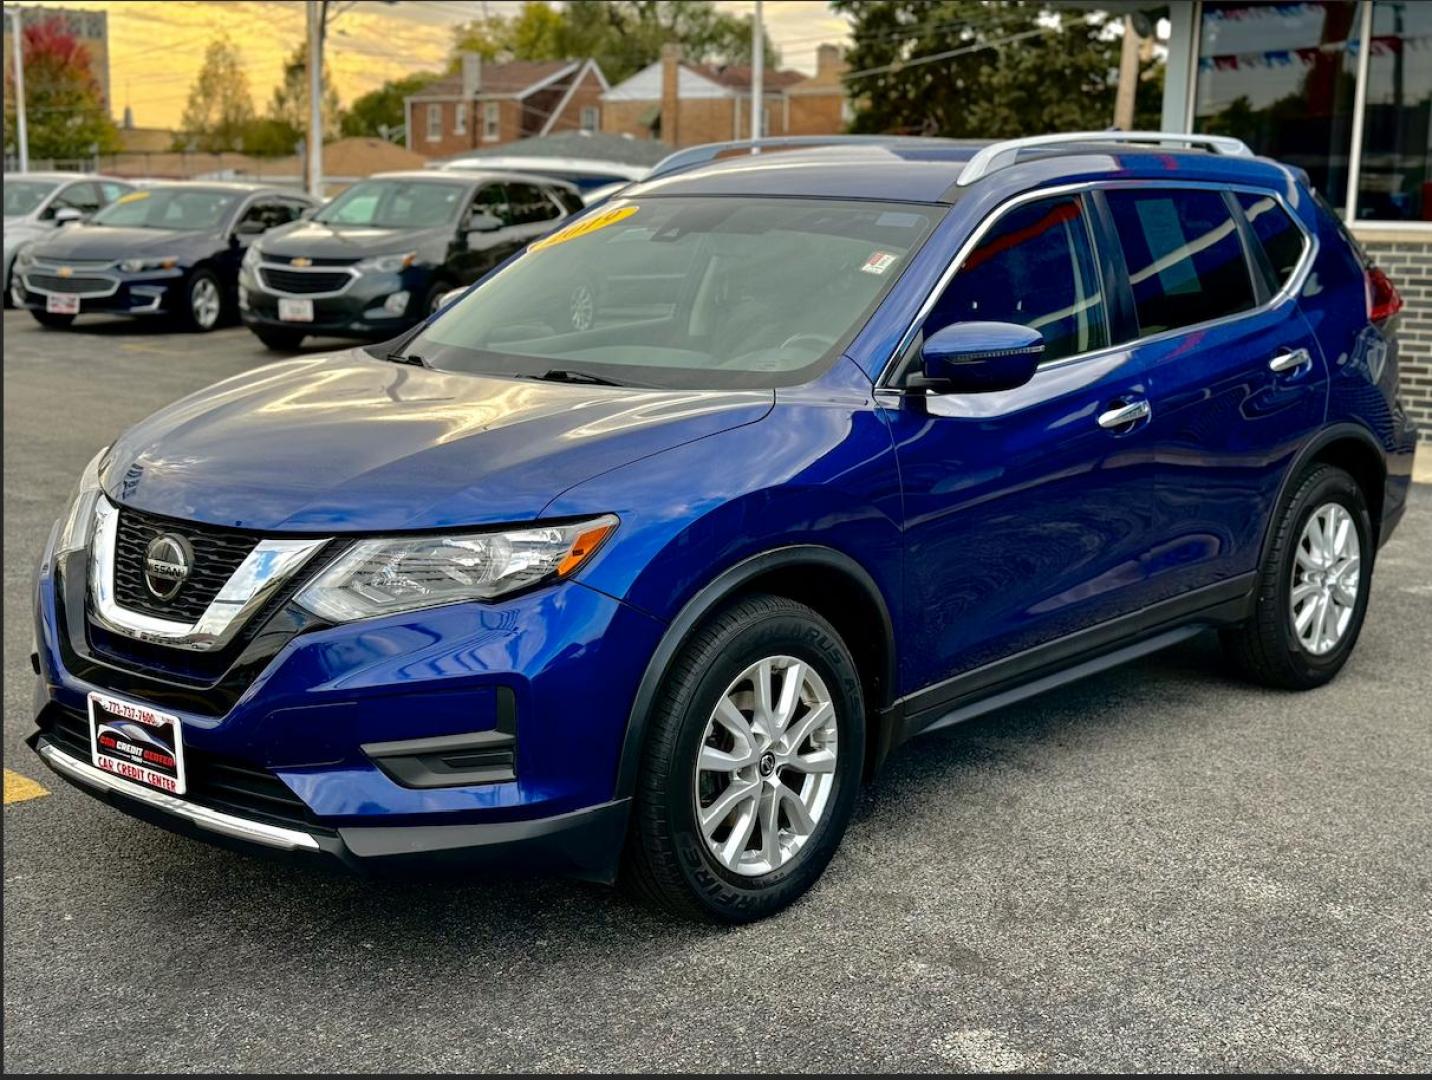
(927, 170)
(471, 176)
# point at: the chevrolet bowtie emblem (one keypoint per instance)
(301, 261)
(66, 271)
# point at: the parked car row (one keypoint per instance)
(369, 264)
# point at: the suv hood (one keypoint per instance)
(317, 240)
(348, 443)
(111, 242)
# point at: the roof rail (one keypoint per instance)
(700, 155)
(1001, 154)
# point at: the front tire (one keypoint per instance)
(1312, 588)
(203, 302)
(52, 321)
(276, 340)
(751, 766)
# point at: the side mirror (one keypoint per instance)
(448, 297)
(68, 215)
(975, 357)
(479, 221)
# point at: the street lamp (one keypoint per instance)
(22, 134)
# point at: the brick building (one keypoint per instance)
(684, 104)
(487, 104)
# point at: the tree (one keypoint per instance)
(380, 112)
(220, 108)
(623, 36)
(64, 106)
(288, 109)
(1023, 68)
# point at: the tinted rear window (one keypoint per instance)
(1184, 255)
(1282, 241)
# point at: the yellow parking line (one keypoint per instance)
(19, 788)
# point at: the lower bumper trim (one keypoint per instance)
(256, 832)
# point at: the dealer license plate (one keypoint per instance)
(295, 310)
(62, 304)
(137, 743)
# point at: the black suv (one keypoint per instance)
(381, 256)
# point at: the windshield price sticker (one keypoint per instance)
(585, 227)
(879, 262)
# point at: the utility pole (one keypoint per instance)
(22, 134)
(315, 98)
(1127, 92)
(758, 75)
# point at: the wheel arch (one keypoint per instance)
(826, 580)
(1350, 447)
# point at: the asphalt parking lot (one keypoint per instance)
(1159, 868)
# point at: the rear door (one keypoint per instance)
(1029, 513)
(1237, 381)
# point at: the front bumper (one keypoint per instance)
(334, 743)
(111, 292)
(358, 311)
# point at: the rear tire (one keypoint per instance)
(1312, 588)
(804, 779)
(279, 340)
(52, 321)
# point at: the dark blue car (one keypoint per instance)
(860, 441)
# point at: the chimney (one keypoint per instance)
(671, 94)
(471, 75)
(829, 64)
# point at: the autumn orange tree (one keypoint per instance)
(64, 106)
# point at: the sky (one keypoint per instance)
(157, 46)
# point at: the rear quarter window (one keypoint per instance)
(1184, 256)
(1281, 240)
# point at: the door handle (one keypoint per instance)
(1122, 415)
(1288, 361)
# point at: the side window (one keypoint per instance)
(83, 197)
(492, 199)
(1184, 254)
(110, 192)
(530, 205)
(1034, 267)
(261, 216)
(570, 200)
(1282, 241)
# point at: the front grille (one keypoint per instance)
(217, 554)
(55, 283)
(303, 281)
(213, 780)
(286, 259)
(75, 264)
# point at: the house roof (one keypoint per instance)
(738, 77)
(593, 146)
(513, 77)
(697, 81)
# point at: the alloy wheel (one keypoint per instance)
(205, 303)
(1327, 570)
(766, 766)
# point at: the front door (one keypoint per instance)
(1028, 513)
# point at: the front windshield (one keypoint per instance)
(395, 204)
(168, 208)
(23, 196)
(684, 292)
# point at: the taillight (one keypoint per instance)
(1383, 300)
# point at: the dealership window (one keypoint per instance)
(1282, 78)
(1394, 181)
(590, 118)
(435, 122)
(459, 118)
(491, 118)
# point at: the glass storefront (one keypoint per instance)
(1283, 77)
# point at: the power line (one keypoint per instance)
(917, 61)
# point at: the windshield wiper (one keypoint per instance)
(568, 375)
(412, 359)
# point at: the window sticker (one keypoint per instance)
(585, 227)
(133, 196)
(1171, 253)
(879, 262)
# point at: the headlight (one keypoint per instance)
(252, 257)
(380, 577)
(134, 266)
(24, 257)
(387, 264)
(79, 518)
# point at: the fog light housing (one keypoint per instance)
(243, 298)
(397, 303)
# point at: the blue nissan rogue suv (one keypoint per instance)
(862, 440)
